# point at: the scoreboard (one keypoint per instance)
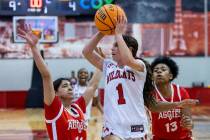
(50, 7)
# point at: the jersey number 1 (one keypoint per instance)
(121, 99)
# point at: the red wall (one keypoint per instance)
(13, 99)
(17, 99)
(202, 94)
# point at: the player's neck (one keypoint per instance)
(66, 103)
(165, 89)
(120, 64)
(82, 84)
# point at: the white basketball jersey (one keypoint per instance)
(124, 110)
(78, 92)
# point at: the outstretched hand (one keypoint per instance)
(27, 33)
(186, 122)
(187, 103)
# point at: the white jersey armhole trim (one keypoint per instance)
(172, 91)
(56, 118)
(178, 92)
(142, 62)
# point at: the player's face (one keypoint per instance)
(162, 74)
(65, 90)
(115, 52)
(83, 76)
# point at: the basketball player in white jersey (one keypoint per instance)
(79, 90)
(124, 112)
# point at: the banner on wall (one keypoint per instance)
(154, 39)
(148, 11)
(175, 38)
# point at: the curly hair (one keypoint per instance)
(174, 69)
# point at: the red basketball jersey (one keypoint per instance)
(66, 124)
(166, 125)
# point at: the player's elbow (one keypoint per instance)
(151, 108)
(154, 107)
(86, 52)
(45, 74)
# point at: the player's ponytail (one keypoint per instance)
(148, 95)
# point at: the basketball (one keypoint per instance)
(104, 18)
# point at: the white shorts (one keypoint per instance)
(107, 130)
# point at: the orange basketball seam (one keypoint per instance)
(108, 16)
(104, 23)
(106, 30)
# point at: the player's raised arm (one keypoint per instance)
(126, 54)
(89, 53)
(92, 86)
(32, 40)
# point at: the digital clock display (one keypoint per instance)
(51, 7)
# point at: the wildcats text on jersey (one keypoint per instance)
(175, 113)
(121, 74)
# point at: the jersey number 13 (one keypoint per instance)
(171, 127)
